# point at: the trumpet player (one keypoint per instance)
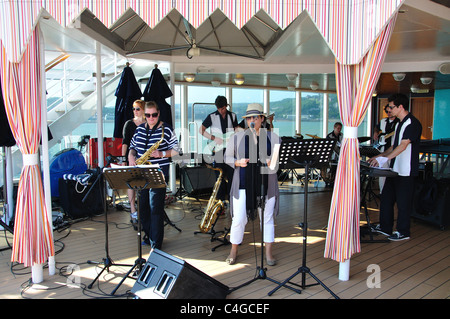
(157, 141)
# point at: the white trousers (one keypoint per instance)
(240, 219)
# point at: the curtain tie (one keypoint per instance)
(350, 132)
(30, 159)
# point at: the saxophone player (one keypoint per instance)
(151, 201)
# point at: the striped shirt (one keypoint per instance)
(144, 138)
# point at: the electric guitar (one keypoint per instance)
(382, 143)
(214, 147)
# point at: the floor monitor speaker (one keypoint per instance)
(166, 277)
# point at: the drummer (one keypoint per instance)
(336, 134)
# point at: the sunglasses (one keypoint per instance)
(148, 115)
(136, 109)
(255, 117)
(392, 106)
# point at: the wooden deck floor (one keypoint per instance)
(413, 269)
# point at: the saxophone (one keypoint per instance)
(144, 159)
(214, 207)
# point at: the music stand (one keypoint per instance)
(107, 261)
(307, 154)
(137, 178)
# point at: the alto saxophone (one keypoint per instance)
(214, 207)
(144, 159)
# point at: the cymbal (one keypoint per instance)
(313, 136)
(363, 139)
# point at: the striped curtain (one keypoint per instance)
(21, 88)
(349, 27)
(355, 84)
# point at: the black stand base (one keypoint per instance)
(169, 222)
(6, 227)
(262, 275)
(367, 230)
(303, 270)
(224, 241)
(139, 263)
(107, 262)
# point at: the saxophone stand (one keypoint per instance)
(261, 270)
(107, 261)
(211, 204)
(224, 241)
(137, 178)
(306, 153)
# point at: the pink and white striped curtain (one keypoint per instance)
(21, 88)
(355, 84)
(349, 27)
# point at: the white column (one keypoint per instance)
(45, 157)
(101, 161)
(344, 270)
(298, 112)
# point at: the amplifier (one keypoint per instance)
(432, 202)
(167, 277)
(198, 180)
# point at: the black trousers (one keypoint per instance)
(151, 213)
(397, 190)
(227, 178)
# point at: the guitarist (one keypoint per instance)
(385, 127)
(220, 122)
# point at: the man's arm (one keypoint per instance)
(390, 153)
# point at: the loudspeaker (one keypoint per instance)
(198, 180)
(432, 202)
(425, 171)
(167, 277)
(71, 195)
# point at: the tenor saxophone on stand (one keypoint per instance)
(214, 206)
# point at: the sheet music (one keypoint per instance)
(127, 167)
(274, 158)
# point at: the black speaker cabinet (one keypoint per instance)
(432, 202)
(167, 277)
(71, 196)
(198, 180)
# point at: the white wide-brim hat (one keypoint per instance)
(254, 109)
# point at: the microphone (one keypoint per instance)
(252, 129)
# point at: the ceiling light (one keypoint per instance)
(189, 77)
(399, 76)
(291, 88)
(314, 85)
(444, 68)
(215, 83)
(426, 80)
(415, 89)
(239, 79)
(291, 76)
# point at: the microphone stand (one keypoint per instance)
(261, 270)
